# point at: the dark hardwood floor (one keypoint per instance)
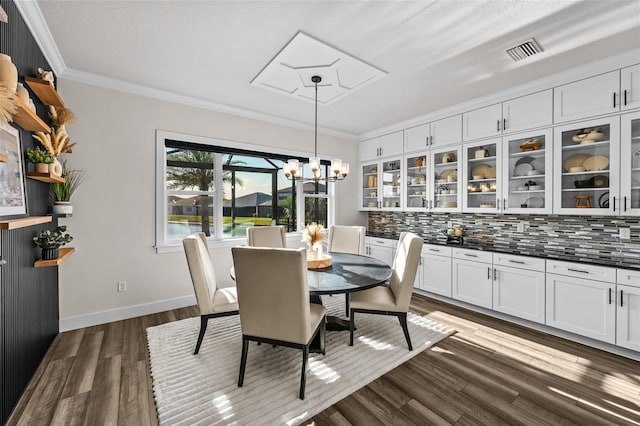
(490, 372)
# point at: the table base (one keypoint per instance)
(333, 324)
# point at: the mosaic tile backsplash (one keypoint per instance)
(579, 238)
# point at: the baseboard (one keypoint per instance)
(102, 317)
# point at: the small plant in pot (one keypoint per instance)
(61, 192)
(51, 241)
(40, 159)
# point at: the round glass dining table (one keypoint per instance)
(348, 273)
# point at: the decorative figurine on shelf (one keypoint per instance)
(455, 234)
(46, 76)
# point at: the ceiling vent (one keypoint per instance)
(524, 50)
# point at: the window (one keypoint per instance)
(222, 189)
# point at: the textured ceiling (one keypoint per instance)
(436, 53)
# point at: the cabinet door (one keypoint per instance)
(472, 283)
(446, 131)
(369, 149)
(416, 181)
(370, 196)
(416, 138)
(587, 98)
(527, 172)
(391, 180)
(581, 306)
(482, 123)
(481, 185)
(628, 317)
(630, 87)
(587, 168)
(445, 189)
(384, 254)
(519, 292)
(392, 144)
(630, 163)
(528, 112)
(436, 275)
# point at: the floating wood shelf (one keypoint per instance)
(23, 222)
(64, 253)
(4, 158)
(45, 91)
(45, 177)
(28, 119)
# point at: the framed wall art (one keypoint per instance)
(13, 198)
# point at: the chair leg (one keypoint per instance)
(402, 317)
(203, 327)
(303, 376)
(346, 303)
(243, 361)
(352, 320)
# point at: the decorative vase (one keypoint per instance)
(50, 253)
(22, 93)
(55, 168)
(8, 73)
(62, 207)
(41, 168)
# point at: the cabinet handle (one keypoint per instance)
(621, 292)
(614, 204)
(432, 249)
(498, 204)
(471, 255)
(498, 126)
(624, 205)
(577, 270)
(609, 295)
(614, 99)
(625, 97)
(488, 273)
(426, 139)
(504, 124)
(431, 139)
(516, 261)
(504, 204)
(495, 274)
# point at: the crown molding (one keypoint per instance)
(32, 16)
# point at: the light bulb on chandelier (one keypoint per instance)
(293, 168)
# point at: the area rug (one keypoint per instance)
(203, 390)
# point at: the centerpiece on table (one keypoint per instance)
(455, 234)
(314, 235)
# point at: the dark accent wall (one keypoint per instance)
(28, 295)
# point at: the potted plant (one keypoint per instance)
(61, 192)
(51, 241)
(41, 159)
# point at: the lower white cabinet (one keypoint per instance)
(436, 270)
(628, 309)
(472, 279)
(380, 248)
(582, 306)
(519, 292)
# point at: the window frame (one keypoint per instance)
(163, 245)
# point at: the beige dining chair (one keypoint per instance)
(266, 236)
(394, 299)
(347, 239)
(213, 302)
(273, 296)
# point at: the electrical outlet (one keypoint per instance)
(450, 224)
(625, 233)
(407, 221)
(122, 286)
(520, 226)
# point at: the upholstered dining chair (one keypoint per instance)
(273, 296)
(394, 299)
(213, 302)
(347, 239)
(266, 236)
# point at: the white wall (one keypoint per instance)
(113, 223)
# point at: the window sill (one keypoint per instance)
(293, 240)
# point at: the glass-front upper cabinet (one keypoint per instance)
(370, 177)
(587, 168)
(481, 178)
(416, 181)
(391, 184)
(444, 192)
(630, 164)
(527, 177)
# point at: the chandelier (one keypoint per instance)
(293, 168)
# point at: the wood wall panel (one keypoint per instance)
(28, 295)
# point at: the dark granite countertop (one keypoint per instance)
(601, 258)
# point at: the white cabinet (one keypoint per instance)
(630, 164)
(519, 286)
(587, 98)
(445, 179)
(383, 146)
(436, 269)
(380, 248)
(416, 181)
(515, 115)
(628, 309)
(580, 303)
(481, 177)
(381, 184)
(472, 280)
(630, 87)
(587, 168)
(437, 133)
